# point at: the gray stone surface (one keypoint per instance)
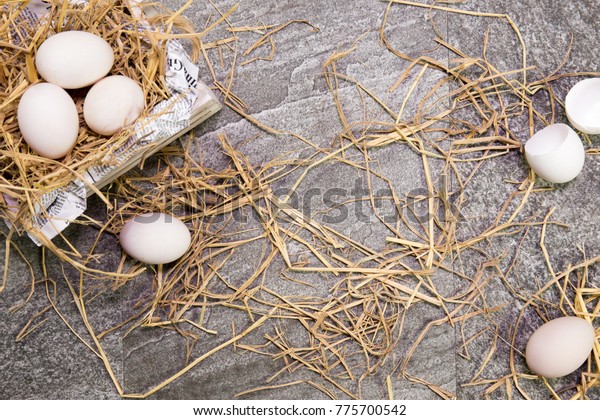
(290, 94)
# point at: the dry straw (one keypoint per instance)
(352, 332)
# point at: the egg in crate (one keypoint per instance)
(74, 59)
(112, 104)
(48, 120)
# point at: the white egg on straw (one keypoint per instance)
(560, 347)
(155, 238)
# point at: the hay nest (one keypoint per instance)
(139, 43)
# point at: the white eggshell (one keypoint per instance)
(112, 104)
(555, 153)
(155, 238)
(560, 346)
(48, 120)
(583, 106)
(74, 59)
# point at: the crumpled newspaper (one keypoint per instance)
(58, 208)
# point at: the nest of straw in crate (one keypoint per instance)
(139, 44)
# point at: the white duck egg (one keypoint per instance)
(560, 346)
(48, 120)
(74, 59)
(112, 104)
(155, 238)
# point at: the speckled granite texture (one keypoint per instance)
(289, 93)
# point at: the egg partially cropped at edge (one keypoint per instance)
(155, 238)
(48, 120)
(74, 59)
(560, 347)
(112, 104)
(582, 105)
